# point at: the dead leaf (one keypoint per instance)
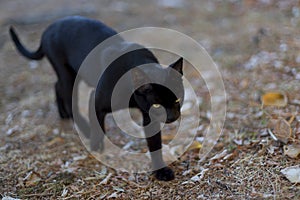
(32, 178)
(292, 173)
(292, 150)
(195, 145)
(274, 99)
(281, 129)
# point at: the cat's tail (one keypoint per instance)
(37, 55)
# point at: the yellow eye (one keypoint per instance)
(178, 100)
(156, 105)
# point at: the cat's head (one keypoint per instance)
(163, 101)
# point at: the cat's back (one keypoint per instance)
(75, 37)
(78, 28)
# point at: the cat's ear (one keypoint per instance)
(178, 65)
(140, 80)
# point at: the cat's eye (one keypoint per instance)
(178, 100)
(156, 105)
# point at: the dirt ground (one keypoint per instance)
(256, 44)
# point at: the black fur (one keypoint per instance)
(68, 41)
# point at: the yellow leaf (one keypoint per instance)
(195, 145)
(167, 137)
(274, 99)
(281, 129)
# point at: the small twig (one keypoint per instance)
(272, 135)
(106, 179)
(291, 119)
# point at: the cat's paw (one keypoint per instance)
(164, 174)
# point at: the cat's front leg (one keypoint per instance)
(161, 170)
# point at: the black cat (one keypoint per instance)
(68, 41)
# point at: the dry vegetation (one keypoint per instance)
(256, 44)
